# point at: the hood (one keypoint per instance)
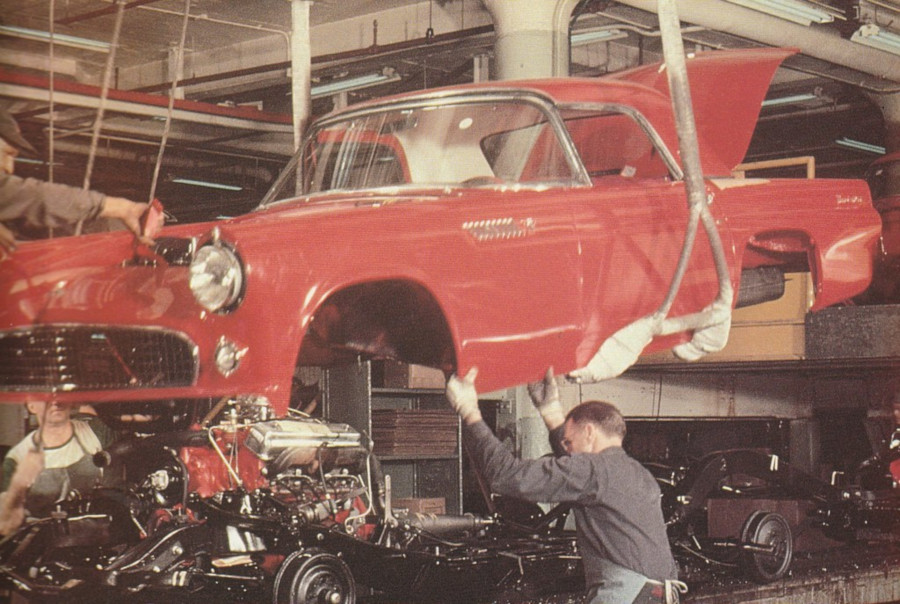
(76, 272)
(727, 91)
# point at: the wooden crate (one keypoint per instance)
(771, 331)
(401, 375)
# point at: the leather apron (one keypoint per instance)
(623, 586)
(54, 484)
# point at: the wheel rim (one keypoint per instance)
(314, 578)
(320, 584)
(771, 530)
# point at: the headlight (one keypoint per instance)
(217, 277)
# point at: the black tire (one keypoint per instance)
(313, 577)
(771, 530)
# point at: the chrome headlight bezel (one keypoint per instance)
(217, 277)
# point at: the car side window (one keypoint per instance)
(531, 154)
(613, 143)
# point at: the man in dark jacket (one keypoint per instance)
(50, 205)
(616, 501)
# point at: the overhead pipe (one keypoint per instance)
(711, 325)
(333, 58)
(31, 87)
(242, 159)
(820, 42)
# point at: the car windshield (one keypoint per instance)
(473, 143)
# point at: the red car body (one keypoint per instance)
(438, 270)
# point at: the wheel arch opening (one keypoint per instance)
(391, 319)
(767, 257)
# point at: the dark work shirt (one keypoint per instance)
(618, 514)
(43, 204)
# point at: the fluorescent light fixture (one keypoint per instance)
(872, 35)
(357, 83)
(597, 35)
(37, 162)
(207, 184)
(61, 39)
(789, 100)
(791, 10)
(860, 146)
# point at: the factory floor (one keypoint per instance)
(863, 573)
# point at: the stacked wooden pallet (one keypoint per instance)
(414, 432)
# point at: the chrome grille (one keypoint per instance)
(79, 358)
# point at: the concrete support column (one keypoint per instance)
(301, 67)
(532, 37)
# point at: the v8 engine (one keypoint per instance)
(242, 506)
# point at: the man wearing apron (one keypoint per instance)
(49, 463)
(620, 529)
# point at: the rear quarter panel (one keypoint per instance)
(831, 220)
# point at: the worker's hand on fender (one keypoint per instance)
(7, 240)
(129, 212)
(463, 397)
(545, 396)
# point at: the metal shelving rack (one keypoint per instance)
(350, 397)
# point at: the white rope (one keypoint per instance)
(179, 59)
(674, 591)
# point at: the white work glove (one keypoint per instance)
(545, 396)
(463, 397)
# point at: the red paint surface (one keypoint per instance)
(597, 258)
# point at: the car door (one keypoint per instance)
(510, 274)
(631, 230)
(515, 295)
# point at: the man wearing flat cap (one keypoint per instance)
(41, 204)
